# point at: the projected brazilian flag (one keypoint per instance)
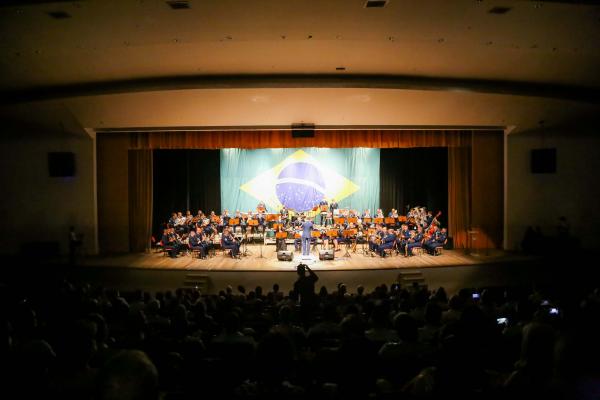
(299, 178)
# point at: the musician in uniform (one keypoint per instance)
(206, 242)
(229, 242)
(323, 214)
(225, 218)
(261, 207)
(403, 237)
(280, 242)
(387, 242)
(437, 239)
(195, 243)
(333, 206)
(415, 241)
(375, 240)
(171, 241)
(284, 214)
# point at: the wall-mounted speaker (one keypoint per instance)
(543, 161)
(303, 130)
(61, 164)
(326, 254)
(285, 255)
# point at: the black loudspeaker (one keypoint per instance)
(543, 161)
(326, 254)
(61, 164)
(303, 130)
(285, 255)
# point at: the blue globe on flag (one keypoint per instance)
(300, 186)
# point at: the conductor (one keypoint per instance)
(307, 226)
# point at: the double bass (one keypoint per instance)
(430, 230)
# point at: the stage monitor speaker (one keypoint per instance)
(543, 161)
(61, 164)
(285, 255)
(326, 254)
(303, 130)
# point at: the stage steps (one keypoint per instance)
(196, 280)
(407, 278)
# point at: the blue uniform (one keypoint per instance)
(195, 243)
(437, 240)
(416, 243)
(230, 243)
(306, 235)
(387, 242)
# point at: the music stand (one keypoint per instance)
(315, 235)
(254, 223)
(347, 234)
(332, 234)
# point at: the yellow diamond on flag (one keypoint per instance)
(299, 182)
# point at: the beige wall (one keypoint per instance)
(36, 207)
(573, 191)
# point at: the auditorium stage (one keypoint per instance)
(253, 262)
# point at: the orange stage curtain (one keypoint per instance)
(283, 139)
(459, 195)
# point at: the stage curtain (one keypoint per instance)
(140, 200)
(459, 195)
(414, 177)
(283, 139)
(185, 180)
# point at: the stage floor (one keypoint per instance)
(253, 262)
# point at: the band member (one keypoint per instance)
(329, 219)
(415, 241)
(323, 207)
(261, 207)
(171, 241)
(307, 226)
(284, 215)
(375, 239)
(229, 242)
(403, 237)
(379, 213)
(225, 218)
(367, 214)
(173, 220)
(428, 218)
(206, 242)
(387, 242)
(333, 206)
(280, 242)
(437, 239)
(195, 243)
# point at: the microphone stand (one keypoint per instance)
(262, 242)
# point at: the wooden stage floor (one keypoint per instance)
(253, 262)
